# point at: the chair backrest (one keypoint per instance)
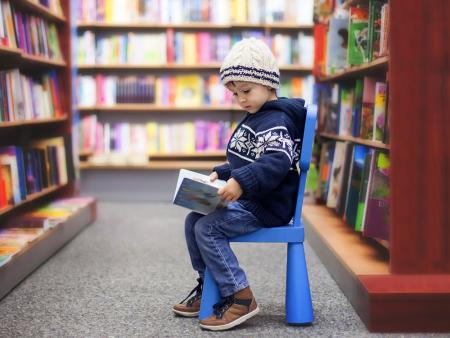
(305, 159)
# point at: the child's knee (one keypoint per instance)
(191, 219)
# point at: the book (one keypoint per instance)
(195, 191)
(357, 35)
(354, 186)
(377, 213)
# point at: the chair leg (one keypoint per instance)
(299, 308)
(210, 296)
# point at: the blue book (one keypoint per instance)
(196, 192)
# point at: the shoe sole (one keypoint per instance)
(186, 314)
(234, 323)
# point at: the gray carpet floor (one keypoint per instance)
(121, 275)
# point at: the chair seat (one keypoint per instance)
(284, 234)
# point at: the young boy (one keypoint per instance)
(262, 182)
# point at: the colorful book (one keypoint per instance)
(377, 221)
(363, 191)
(368, 98)
(336, 175)
(354, 186)
(337, 44)
(195, 191)
(379, 112)
(357, 35)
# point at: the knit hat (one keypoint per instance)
(250, 60)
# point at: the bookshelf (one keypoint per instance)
(25, 132)
(405, 288)
(164, 113)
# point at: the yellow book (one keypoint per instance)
(152, 138)
(190, 48)
(189, 143)
(238, 11)
(188, 90)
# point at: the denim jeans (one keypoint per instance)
(208, 245)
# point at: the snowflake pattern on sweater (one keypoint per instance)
(250, 145)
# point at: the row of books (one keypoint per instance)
(181, 11)
(33, 34)
(179, 90)
(358, 109)
(186, 47)
(28, 170)
(352, 37)
(152, 137)
(24, 97)
(36, 36)
(18, 232)
(354, 180)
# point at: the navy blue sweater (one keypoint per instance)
(262, 156)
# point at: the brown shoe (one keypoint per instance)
(192, 307)
(231, 311)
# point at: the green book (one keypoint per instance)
(358, 36)
(362, 198)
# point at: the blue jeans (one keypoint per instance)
(208, 245)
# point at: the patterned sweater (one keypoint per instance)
(262, 156)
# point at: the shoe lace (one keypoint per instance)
(220, 308)
(198, 293)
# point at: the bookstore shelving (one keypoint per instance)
(39, 210)
(190, 43)
(404, 284)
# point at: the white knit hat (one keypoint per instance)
(250, 60)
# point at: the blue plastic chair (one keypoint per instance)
(299, 308)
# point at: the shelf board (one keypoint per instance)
(38, 251)
(32, 197)
(6, 50)
(42, 60)
(32, 122)
(369, 143)
(154, 165)
(192, 25)
(199, 154)
(40, 10)
(143, 107)
(378, 65)
(199, 66)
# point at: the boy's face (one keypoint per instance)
(250, 96)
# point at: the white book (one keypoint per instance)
(195, 191)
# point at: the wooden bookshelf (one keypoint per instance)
(24, 132)
(146, 108)
(357, 140)
(407, 287)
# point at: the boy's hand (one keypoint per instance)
(231, 191)
(213, 176)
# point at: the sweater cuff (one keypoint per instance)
(223, 171)
(246, 179)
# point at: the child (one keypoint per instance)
(262, 182)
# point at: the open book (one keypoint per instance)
(196, 192)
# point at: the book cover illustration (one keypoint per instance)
(196, 192)
(377, 214)
(357, 35)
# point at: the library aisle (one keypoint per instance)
(120, 276)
